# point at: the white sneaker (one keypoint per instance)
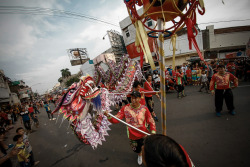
(50, 119)
(139, 160)
(53, 118)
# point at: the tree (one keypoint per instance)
(65, 73)
(60, 80)
(71, 81)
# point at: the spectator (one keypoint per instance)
(35, 108)
(162, 151)
(170, 70)
(210, 72)
(156, 80)
(184, 69)
(179, 83)
(20, 131)
(48, 110)
(231, 67)
(189, 75)
(23, 154)
(194, 76)
(203, 81)
(247, 71)
(239, 69)
(25, 119)
(4, 156)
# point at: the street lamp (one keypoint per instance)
(104, 36)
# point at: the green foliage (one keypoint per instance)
(60, 80)
(65, 73)
(71, 81)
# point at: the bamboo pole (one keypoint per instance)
(162, 76)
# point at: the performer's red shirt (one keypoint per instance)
(148, 86)
(136, 117)
(174, 74)
(30, 109)
(231, 67)
(143, 102)
(102, 85)
(222, 81)
(179, 77)
(4, 116)
(189, 73)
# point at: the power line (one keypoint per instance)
(23, 8)
(49, 12)
(226, 21)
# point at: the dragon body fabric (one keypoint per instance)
(84, 103)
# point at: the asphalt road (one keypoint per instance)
(191, 121)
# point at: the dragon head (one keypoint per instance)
(88, 88)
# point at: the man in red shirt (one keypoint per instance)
(231, 67)
(220, 86)
(148, 97)
(189, 75)
(138, 116)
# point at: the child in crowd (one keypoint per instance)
(189, 75)
(198, 75)
(20, 131)
(203, 81)
(23, 154)
(194, 78)
(48, 110)
(179, 82)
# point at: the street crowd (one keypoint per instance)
(27, 113)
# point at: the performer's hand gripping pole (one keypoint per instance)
(128, 124)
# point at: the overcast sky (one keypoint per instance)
(33, 47)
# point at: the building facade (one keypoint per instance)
(220, 42)
(213, 43)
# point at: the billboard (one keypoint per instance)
(78, 56)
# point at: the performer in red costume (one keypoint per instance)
(148, 97)
(220, 86)
(136, 115)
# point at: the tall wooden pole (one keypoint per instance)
(162, 76)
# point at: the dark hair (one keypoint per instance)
(162, 151)
(18, 129)
(15, 138)
(136, 94)
(148, 76)
(136, 83)
(178, 67)
(2, 131)
(220, 66)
